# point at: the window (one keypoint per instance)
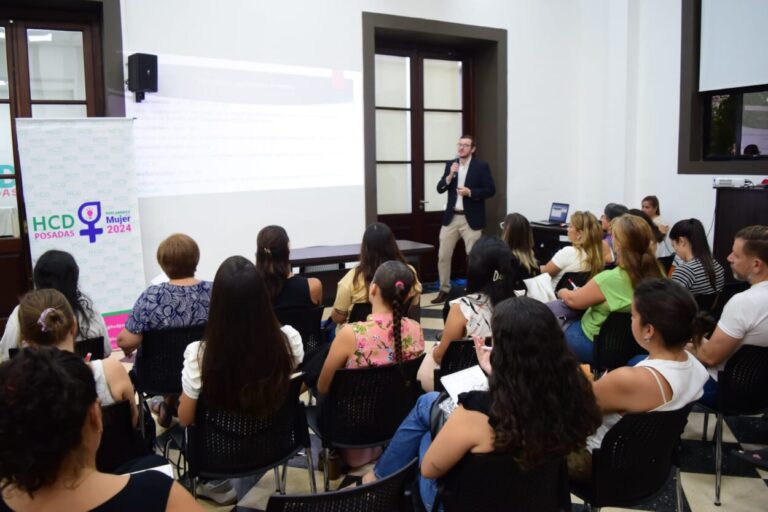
(737, 125)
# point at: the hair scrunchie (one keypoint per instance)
(41, 320)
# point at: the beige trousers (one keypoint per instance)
(449, 236)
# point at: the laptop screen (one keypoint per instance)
(558, 213)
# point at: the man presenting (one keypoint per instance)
(469, 183)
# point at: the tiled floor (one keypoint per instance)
(743, 488)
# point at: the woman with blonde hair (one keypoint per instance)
(587, 254)
(611, 290)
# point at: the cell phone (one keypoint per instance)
(488, 341)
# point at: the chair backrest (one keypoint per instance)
(614, 345)
(636, 456)
(161, 357)
(729, 290)
(307, 322)
(385, 495)
(93, 346)
(742, 385)
(706, 302)
(360, 312)
(494, 481)
(228, 444)
(118, 438)
(459, 355)
(578, 278)
(666, 262)
(365, 406)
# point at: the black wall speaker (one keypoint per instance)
(142, 74)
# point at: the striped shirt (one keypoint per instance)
(694, 278)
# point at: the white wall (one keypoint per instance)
(328, 34)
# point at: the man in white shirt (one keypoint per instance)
(745, 317)
(469, 183)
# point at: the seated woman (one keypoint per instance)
(519, 237)
(181, 302)
(539, 405)
(664, 319)
(699, 273)
(50, 418)
(47, 320)
(286, 290)
(245, 359)
(611, 211)
(488, 268)
(379, 245)
(650, 206)
(58, 270)
(657, 237)
(611, 290)
(586, 254)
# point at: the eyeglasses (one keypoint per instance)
(461, 145)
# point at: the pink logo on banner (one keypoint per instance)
(115, 324)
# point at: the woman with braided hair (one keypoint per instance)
(386, 337)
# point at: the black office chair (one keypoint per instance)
(729, 290)
(614, 345)
(494, 481)
(706, 302)
(459, 355)
(225, 444)
(360, 312)
(741, 390)
(159, 361)
(389, 494)
(577, 278)
(93, 346)
(307, 322)
(120, 442)
(635, 459)
(364, 406)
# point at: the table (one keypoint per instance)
(548, 240)
(337, 256)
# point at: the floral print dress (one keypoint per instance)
(376, 343)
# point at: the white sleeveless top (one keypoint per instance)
(102, 387)
(686, 378)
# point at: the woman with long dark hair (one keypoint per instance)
(586, 254)
(51, 425)
(59, 271)
(611, 290)
(379, 245)
(699, 273)
(286, 290)
(488, 282)
(518, 236)
(539, 405)
(245, 359)
(664, 319)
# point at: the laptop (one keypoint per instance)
(558, 214)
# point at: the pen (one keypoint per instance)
(88, 357)
(573, 285)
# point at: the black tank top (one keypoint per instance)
(294, 295)
(146, 491)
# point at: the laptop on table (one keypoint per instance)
(558, 214)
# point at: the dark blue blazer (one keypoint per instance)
(479, 181)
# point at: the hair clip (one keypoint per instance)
(41, 320)
(399, 285)
(497, 276)
(266, 250)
